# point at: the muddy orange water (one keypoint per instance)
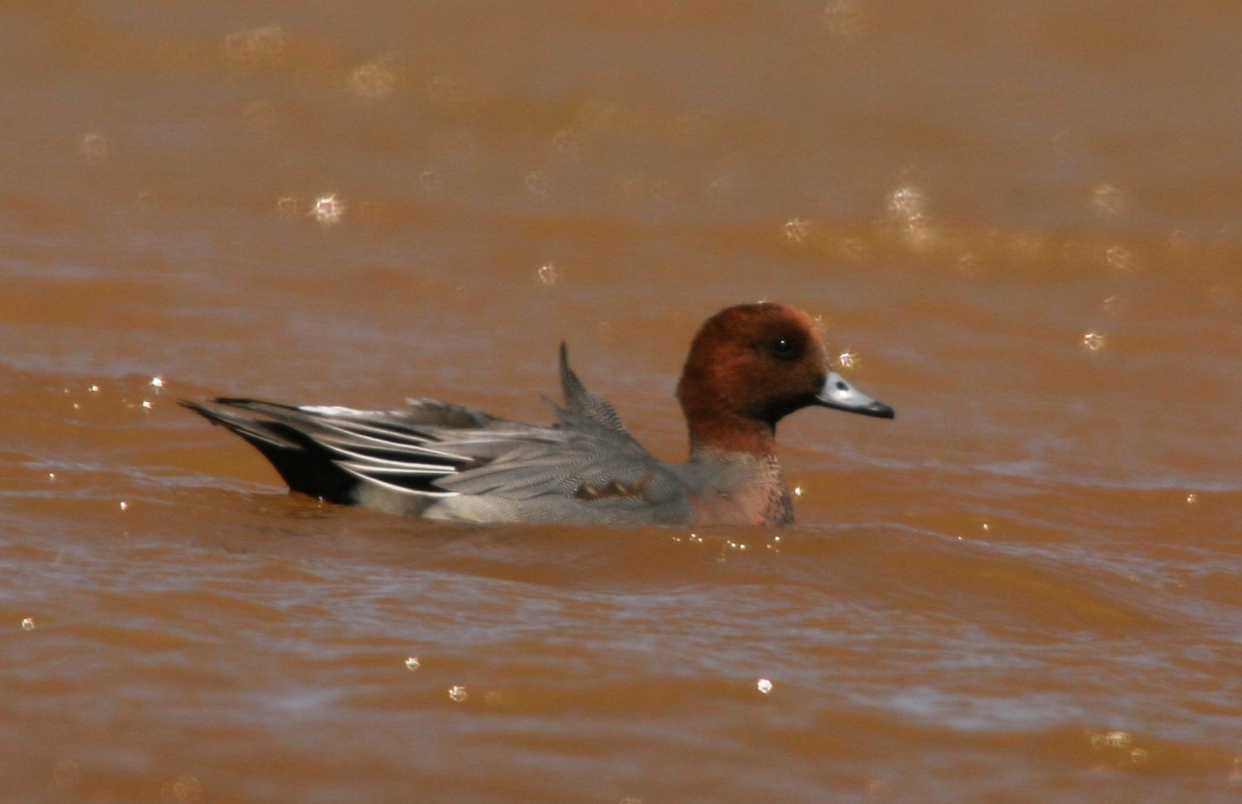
(1021, 224)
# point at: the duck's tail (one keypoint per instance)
(307, 466)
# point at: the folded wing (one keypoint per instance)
(433, 450)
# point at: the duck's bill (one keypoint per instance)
(839, 394)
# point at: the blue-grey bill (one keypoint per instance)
(839, 394)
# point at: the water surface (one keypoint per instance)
(1018, 223)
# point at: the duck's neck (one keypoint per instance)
(729, 433)
(746, 487)
(716, 420)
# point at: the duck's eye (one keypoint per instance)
(783, 347)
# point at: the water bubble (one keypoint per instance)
(906, 202)
(1120, 259)
(1025, 246)
(51, 475)
(254, 46)
(723, 187)
(1222, 296)
(1180, 241)
(157, 382)
(1192, 498)
(328, 210)
(764, 686)
(1066, 142)
(185, 790)
(845, 19)
(146, 404)
(1093, 341)
(629, 187)
(906, 206)
(537, 183)
(94, 389)
(1108, 200)
(457, 693)
(260, 118)
(567, 143)
(796, 230)
(797, 491)
(850, 248)
(287, 206)
(690, 126)
(412, 663)
(446, 90)
(28, 624)
(640, 190)
(379, 78)
(848, 359)
(599, 114)
(547, 275)
(145, 201)
(1117, 739)
(430, 180)
(94, 148)
(662, 192)
(124, 505)
(64, 780)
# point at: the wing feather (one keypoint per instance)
(436, 449)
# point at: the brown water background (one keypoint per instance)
(1020, 222)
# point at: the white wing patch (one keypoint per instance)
(333, 410)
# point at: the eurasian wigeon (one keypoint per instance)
(749, 366)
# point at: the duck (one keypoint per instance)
(749, 366)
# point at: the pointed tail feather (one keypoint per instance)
(305, 465)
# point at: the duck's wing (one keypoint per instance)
(581, 401)
(430, 451)
(578, 458)
(587, 455)
(433, 450)
(327, 451)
